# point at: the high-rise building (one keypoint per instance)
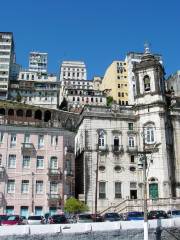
(115, 82)
(7, 60)
(73, 70)
(38, 62)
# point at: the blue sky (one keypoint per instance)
(95, 31)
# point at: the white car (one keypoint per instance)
(34, 220)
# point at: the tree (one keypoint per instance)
(64, 105)
(109, 101)
(73, 205)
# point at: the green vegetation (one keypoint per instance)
(109, 101)
(73, 205)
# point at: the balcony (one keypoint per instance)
(2, 174)
(102, 149)
(28, 149)
(54, 199)
(132, 149)
(54, 174)
(117, 149)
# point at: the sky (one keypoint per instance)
(94, 31)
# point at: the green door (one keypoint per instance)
(153, 191)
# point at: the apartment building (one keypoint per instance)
(115, 82)
(7, 59)
(36, 158)
(36, 89)
(38, 62)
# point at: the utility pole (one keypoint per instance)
(96, 184)
(145, 197)
(32, 206)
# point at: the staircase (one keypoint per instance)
(129, 205)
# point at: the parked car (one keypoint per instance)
(2, 217)
(58, 219)
(34, 220)
(134, 216)
(84, 218)
(12, 220)
(111, 217)
(24, 220)
(157, 214)
(173, 213)
(97, 217)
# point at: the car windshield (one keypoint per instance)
(34, 218)
(3, 217)
(12, 218)
(58, 217)
(87, 216)
(177, 212)
(112, 215)
(135, 214)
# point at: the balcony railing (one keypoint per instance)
(54, 199)
(28, 149)
(117, 149)
(55, 174)
(132, 149)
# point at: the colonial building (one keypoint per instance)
(110, 143)
(36, 158)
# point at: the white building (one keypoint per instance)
(73, 70)
(173, 83)
(109, 142)
(131, 59)
(7, 59)
(38, 62)
(36, 89)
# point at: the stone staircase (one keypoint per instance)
(129, 205)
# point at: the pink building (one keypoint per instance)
(36, 169)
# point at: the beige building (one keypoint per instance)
(115, 81)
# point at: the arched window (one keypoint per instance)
(101, 139)
(149, 133)
(153, 188)
(131, 141)
(147, 86)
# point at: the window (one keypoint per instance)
(102, 190)
(39, 187)
(53, 187)
(40, 162)
(54, 140)
(149, 135)
(25, 186)
(100, 99)
(118, 190)
(1, 137)
(32, 77)
(101, 141)
(13, 140)
(11, 186)
(27, 76)
(122, 94)
(146, 83)
(26, 138)
(22, 76)
(130, 126)
(119, 94)
(40, 141)
(0, 159)
(119, 85)
(53, 163)
(116, 143)
(26, 162)
(132, 158)
(131, 141)
(12, 161)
